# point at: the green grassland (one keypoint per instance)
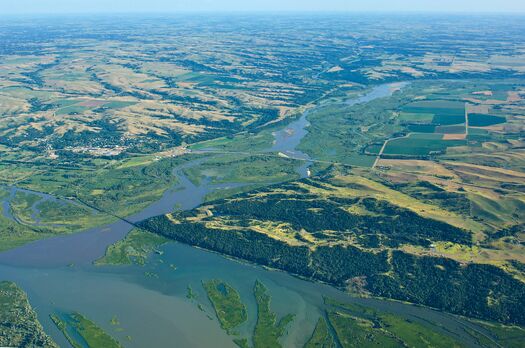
(227, 303)
(122, 188)
(231, 312)
(506, 336)
(337, 131)
(80, 331)
(70, 217)
(483, 120)
(13, 234)
(21, 205)
(19, 326)
(268, 329)
(321, 337)
(99, 191)
(233, 168)
(420, 145)
(253, 142)
(32, 210)
(359, 333)
(133, 249)
(358, 326)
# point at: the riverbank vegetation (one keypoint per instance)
(14, 234)
(348, 324)
(227, 303)
(268, 329)
(360, 326)
(133, 249)
(245, 169)
(80, 331)
(321, 337)
(19, 325)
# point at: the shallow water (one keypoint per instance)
(287, 139)
(150, 301)
(35, 210)
(152, 309)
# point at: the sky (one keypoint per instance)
(163, 6)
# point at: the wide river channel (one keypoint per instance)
(153, 311)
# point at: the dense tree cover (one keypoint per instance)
(508, 232)
(331, 264)
(245, 244)
(337, 264)
(400, 225)
(476, 290)
(19, 325)
(481, 291)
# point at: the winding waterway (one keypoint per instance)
(150, 301)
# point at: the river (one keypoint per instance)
(150, 301)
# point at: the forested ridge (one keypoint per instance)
(476, 290)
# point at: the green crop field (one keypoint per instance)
(420, 145)
(444, 112)
(454, 129)
(483, 120)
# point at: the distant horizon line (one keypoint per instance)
(266, 12)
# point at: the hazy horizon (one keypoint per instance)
(166, 6)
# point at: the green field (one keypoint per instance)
(359, 326)
(80, 331)
(484, 120)
(444, 112)
(233, 168)
(321, 337)
(227, 303)
(373, 149)
(453, 129)
(416, 117)
(422, 128)
(268, 329)
(133, 249)
(13, 234)
(420, 145)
